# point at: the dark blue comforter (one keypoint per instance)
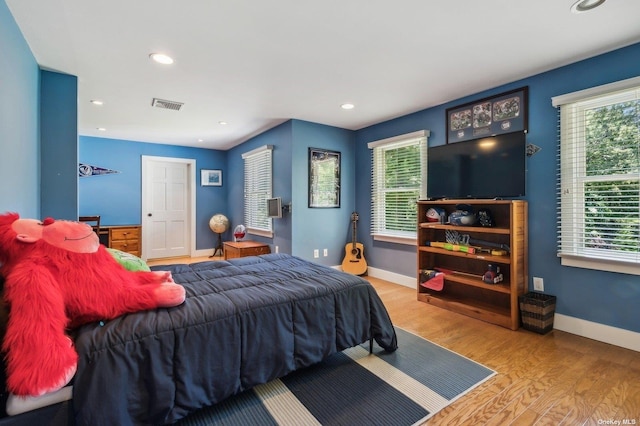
(245, 321)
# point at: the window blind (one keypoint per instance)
(398, 165)
(257, 188)
(599, 178)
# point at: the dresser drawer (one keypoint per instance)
(257, 251)
(128, 246)
(132, 233)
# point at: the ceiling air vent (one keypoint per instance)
(162, 103)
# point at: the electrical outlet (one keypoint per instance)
(325, 252)
(538, 284)
(277, 249)
(316, 253)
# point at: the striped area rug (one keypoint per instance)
(405, 387)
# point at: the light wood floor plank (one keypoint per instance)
(632, 403)
(613, 396)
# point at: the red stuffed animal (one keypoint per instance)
(57, 276)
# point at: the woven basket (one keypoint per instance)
(537, 311)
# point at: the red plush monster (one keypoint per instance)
(57, 276)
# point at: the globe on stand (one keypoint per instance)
(218, 224)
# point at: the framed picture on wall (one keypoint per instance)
(324, 178)
(503, 113)
(210, 177)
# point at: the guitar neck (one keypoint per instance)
(353, 233)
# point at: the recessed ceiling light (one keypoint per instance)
(347, 106)
(96, 102)
(586, 5)
(222, 123)
(200, 140)
(101, 129)
(161, 58)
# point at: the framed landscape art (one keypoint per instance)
(210, 177)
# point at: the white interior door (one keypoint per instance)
(166, 207)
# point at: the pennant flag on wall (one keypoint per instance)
(86, 170)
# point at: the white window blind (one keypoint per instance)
(398, 165)
(599, 177)
(257, 188)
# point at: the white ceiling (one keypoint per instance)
(255, 64)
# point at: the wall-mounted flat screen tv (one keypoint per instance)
(492, 167)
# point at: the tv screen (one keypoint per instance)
(274, 207)
(492, 167)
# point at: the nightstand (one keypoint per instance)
(237, 249)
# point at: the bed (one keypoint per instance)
(245, 321)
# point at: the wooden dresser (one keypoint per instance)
(233, 250)
(127, 238)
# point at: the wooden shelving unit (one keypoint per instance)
(464, 290)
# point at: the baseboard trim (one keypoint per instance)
(601, 332)
(202, 253)
(591, 330)
(393, 277)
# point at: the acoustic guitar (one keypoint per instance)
(354, 262)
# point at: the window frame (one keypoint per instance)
(258, 163)
(378, 231)
(572, 176)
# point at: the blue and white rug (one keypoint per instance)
(405, 387)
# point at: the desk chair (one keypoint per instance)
(94, 221)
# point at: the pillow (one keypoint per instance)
(129, 261)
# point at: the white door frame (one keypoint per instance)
(191, 170)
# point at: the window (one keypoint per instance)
(398, 165)
(599, 177)
(257, 188)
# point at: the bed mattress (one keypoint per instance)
(245, 321)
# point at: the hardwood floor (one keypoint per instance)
(553, 379)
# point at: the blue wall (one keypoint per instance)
(117, 198)
(305, 229)
(281, 138)
(58, 145)
(19, 143)
(320, 228)
(602, 297)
